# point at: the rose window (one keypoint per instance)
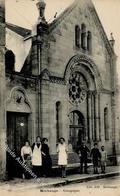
(77, 88)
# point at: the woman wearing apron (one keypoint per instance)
(62, 156)
(37, 157)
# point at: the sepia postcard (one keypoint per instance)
(59, 97)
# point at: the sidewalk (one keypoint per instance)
(20, 184)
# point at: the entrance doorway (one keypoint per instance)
(77, 129)
(17, 133)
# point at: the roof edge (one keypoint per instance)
(60, 18)
(101, 29)
(23, 32)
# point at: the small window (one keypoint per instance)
(106, 125)
(10, 61)
(89, 41)
(58, 120)
(83, 37)
(77, 36)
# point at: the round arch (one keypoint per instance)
(76, 128)
(87, 67)
(18, 97)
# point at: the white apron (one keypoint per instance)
(62, 154)
(37, 156)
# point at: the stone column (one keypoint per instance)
(99, 117)
(92, 116)
(96, 117)
(2, 93)
(89, 116)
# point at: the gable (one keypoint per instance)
(87, 9)
(62, 40)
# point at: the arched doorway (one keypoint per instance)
(18, 118)
(76, 129)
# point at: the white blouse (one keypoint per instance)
(26, 150)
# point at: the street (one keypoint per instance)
(113, 182)
(106, 186)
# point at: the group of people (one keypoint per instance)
(38, 157)
(99, 157)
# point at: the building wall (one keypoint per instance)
(19, 46)
(16, 86)
(2, 92)
(63, 46)
(55, 58)
(61, 41)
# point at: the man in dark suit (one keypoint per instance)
(83, 154)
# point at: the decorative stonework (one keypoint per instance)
(18, 101)
(15, 79)
(58, 80)
(77, 88)
(89, 65)
(18, 97)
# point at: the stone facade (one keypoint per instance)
(2, 92)
(66, 89)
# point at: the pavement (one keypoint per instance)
(24, 184)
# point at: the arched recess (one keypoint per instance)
(9, 61)
(18, 101)
(84, 64)
(58, 120)
(19, 122)
(89, 100)
(77, 36)
(77, 128)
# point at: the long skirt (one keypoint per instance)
(46, 165)
(28, 164)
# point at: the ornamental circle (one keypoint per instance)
(77, 88)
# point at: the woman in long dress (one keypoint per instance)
(46, 159)
(37, 157)
(62, 156)
(26, 154)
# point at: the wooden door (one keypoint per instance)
(17, 133)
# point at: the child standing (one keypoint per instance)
(103, 159)
(95, 154)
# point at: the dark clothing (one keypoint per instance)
(95, 153)
(84, 152)
(28, 163)
(83, 158)
(46, 160)
(37, 170)
(38, 145)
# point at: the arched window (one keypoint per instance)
(77, 36)
(83, 37)
(106, 125)
(10, 61)
(89, 41)
(58, 120)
